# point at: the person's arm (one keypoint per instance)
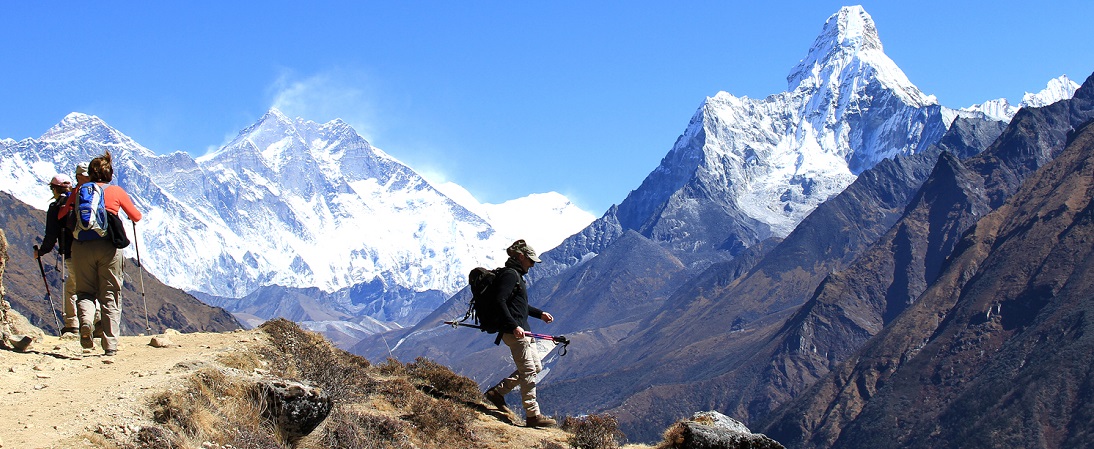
(53, 229)
(535, 312)
(117, 196)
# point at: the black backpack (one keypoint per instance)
(485, 314)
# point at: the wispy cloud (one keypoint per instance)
(332, 94)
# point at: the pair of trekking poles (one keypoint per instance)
(556, 339)
(64, 273)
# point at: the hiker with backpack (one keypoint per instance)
(55, 235)
(97, 262)
(509, 310)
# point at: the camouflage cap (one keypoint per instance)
(520, 246)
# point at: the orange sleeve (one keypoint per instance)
(115, 198)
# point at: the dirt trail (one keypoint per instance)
(58, 394)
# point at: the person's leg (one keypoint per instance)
(528, 366)
(72, 321)
(110, 298)
(86, 277)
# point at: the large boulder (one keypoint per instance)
(296, 408)
(713, 430)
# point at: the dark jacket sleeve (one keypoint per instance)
(534, 312)
(503, 286)
(53, 229)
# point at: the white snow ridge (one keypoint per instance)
(290, 203)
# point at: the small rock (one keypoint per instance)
(108, 361)
(161, 342)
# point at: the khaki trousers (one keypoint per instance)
(71, 320)
(97, 267)
(72, 314)
(526, 358)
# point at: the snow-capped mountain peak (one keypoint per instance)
(769, 162)
(87, 128)
(543, 219)
(849, 48)
(1059, 88)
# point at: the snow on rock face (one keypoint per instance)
(1059, 88)
(849, 107)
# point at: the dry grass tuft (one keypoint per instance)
(353, 430)
(594, 432)
(156, 437)
(212, 407)
(392, 367)
(673, 436)
(301, 355)
(548, 444)
(437, 379)
(399, 392)
(442, 421)
(245, 361)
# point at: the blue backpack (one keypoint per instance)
(90, 212)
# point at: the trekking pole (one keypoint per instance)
(42, 269)
(137, 247)
(557, 339)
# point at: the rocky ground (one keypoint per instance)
(60, 395)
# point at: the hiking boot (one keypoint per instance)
(539, 421)
(497, 399)
(69, 330)
(85, 337)
(110, 352)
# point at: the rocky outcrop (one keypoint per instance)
(713, 430)
(14, 329)
(296, 408)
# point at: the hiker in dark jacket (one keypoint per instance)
(511, 296)
(56, 235)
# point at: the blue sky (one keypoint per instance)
(505, 98)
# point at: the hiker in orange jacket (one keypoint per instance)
(98, 264)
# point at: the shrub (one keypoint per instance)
(392, 367)
(307, 356)
(399, 392)
(438, 379)
(548, 444)
(212, 407)
(594, 432)
(442, 420)
(351, 430)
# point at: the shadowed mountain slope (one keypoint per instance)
(864, 293)
(996, 353)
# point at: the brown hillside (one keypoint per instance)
(195, 393)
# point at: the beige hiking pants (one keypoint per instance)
(71, 320)
(526, 357)
(97, 267)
